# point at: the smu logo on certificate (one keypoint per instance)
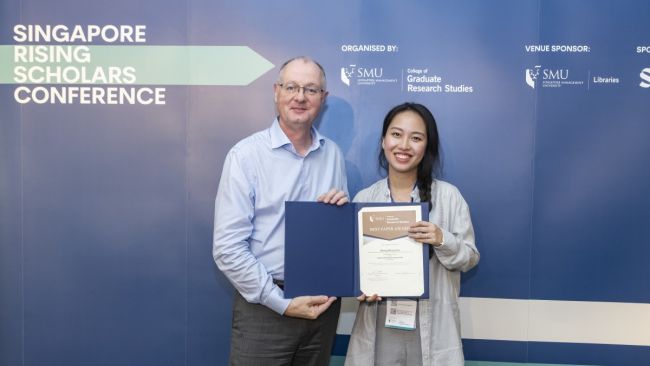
(387, 225)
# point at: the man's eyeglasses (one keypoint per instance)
(309, 90)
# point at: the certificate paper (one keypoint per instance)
(390, 263)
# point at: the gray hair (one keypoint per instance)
(307, 60)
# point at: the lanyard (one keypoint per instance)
(390, 194)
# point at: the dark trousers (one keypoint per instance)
(260, 336)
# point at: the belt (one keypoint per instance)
(279, 283)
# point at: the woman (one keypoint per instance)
(410, 154)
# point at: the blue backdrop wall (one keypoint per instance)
(106, 208)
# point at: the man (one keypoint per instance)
(288, 161)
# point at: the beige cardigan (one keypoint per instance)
(439, 315)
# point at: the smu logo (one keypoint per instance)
(549, 77)
(346, 74)
(531, 76)
(363, 75)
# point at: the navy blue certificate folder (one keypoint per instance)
(321, 251)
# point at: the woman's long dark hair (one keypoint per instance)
(430, 167)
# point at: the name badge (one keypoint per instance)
(400, 314)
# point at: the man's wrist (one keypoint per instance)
(276, 301)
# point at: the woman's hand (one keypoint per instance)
(373, 298)
(426, 233)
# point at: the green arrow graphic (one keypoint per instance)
(154, 65)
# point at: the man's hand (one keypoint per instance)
(334, 197)
(308, 307)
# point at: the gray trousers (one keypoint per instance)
(260, 336)
(397, 347)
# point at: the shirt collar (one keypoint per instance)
(280, 140)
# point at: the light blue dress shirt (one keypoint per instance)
(260, 173)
